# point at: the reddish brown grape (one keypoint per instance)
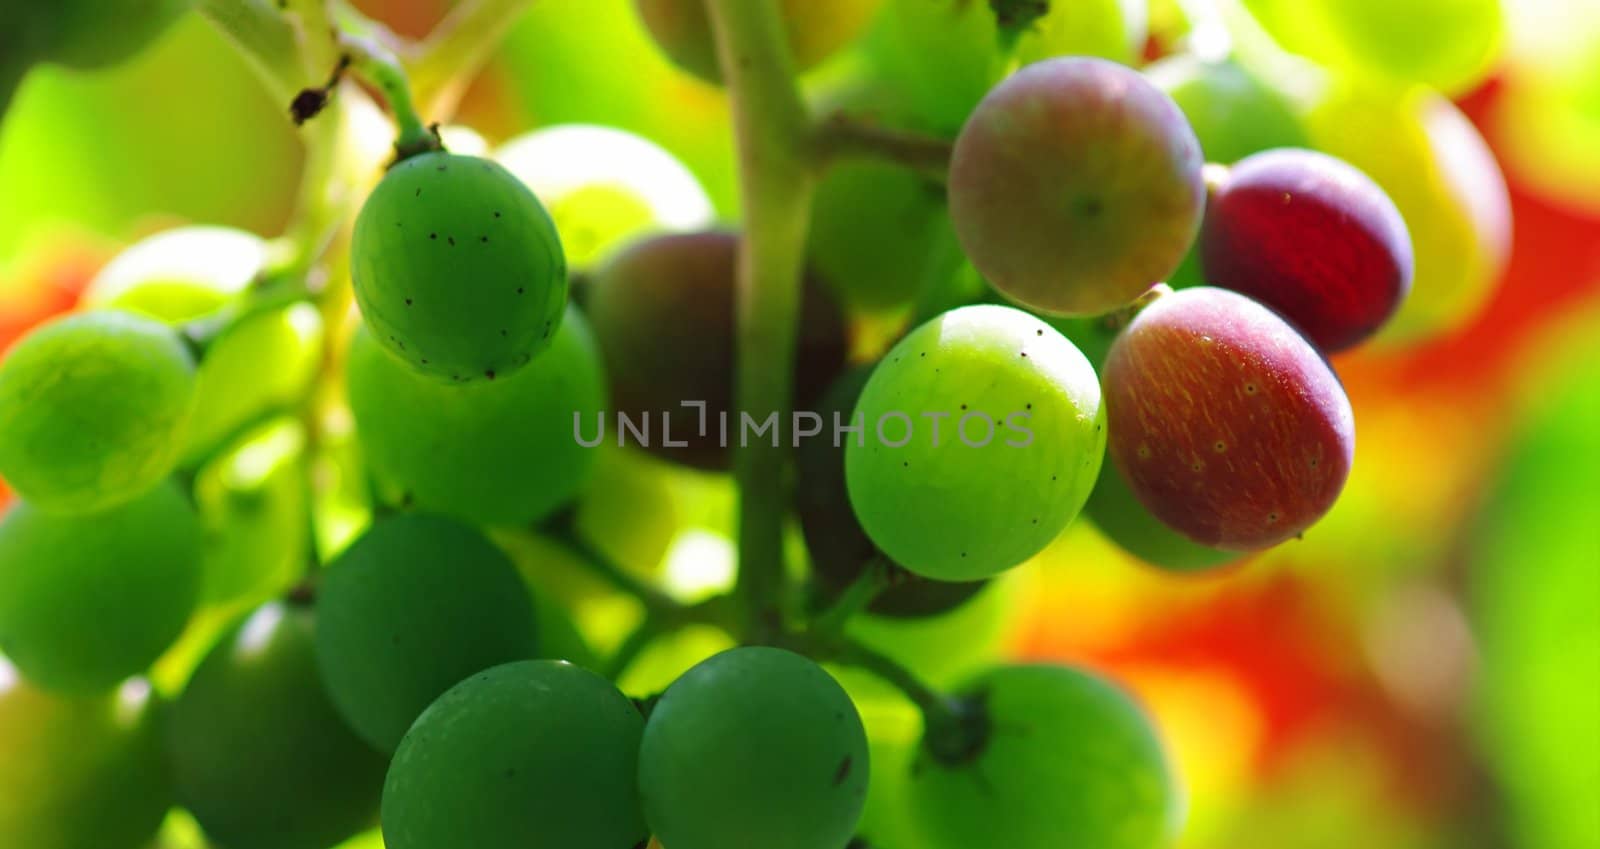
(663, 312)
(1076, 185)
(1226, 423)
(1313, 238)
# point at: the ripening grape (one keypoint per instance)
(1115, 510)
(939, 57)
(1443, 178)
(1313, 238)
(1447, 44)
(458, 268)
(755, 746)
(500, 452)
(840, 549)
(664, 314)
(179, 274)
(535, 753)
(1075, 186)
(88, 600)
(982, 435)
(1226, 423)
(80, 773)
(92, 34)
(415, 606)
(1070, 760)
(258, 753)
(815, 30)
(604, 187)
(878, 232)
(93, 408)
(1234, 112)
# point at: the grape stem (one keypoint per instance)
(378, 65)
(776, 165)
(872, 581)
(954, 729)
(842, 136)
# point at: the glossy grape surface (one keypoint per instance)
(1226, 423)
(1075, 186)
(1018, 448)
(536, 753)
(415, 606)
(88, 600)
(500, 452)
(754, 747)
(1070, 761)
(458, 268)
(259, 755)
(93, 409)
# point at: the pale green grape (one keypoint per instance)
(88, 600)
(93, 409)
(983, 433)
(496, 452)
(535, 753)
(179, 274)
(266, 363)
(80, 773)
(415, 606)
(252, 500)
(754, 747)
(1069, 760)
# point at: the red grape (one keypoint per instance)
(1226, 423)
(1076, 185)
(1313, 238)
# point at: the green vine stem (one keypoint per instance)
(772, 129)
(842, 136)
(954, 729)
(458, 48)
(873, 580)
(379, 66)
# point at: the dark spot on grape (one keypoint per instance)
(511, 773)
(1313, 462)
(452, 241)
(963, 554)
(441, 167)
(408, 302)
(497, 213)
(1220, 446)
(484, 239)
(503, 332)
(406, 499)
(1272, 518)
(1028, 406)
(1052, 478)
(923, 354)
(963, 406)
(1197, 466)
(424, 360)
(1038, 332)
(1090, 207)
(419, 193)
(1249, 389)
(906, 463)
(489, 373)
(843, 772)
(434, 236)
(519, 290)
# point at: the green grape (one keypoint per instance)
(180, 274)
(415, 606)
(265, 363)
(458, 268)
(1443, 178)
(91, 34)
(1118, 514)
(93, 408)
(669, 656)
(535, 753)
(754, 747)
(940, 57)
(557, 636)
(88, 600)
(815, 30)
(258, 753)
(1069, 760)
(1234, 112)
(878, 233)
(1022, 440)
(628, 510)
(605, 187)
(495, 453)
(252, 499)
(945, 648)
(80, 773)
(1447, 44)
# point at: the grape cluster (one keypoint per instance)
(1117, 300)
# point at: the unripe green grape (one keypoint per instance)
(815, 30)
(80, 773)
(1234, 112)
(605, 187)
(259, 755)
(500, 452)
(457, 268)
(179, 274)
(1075, 186)
(534, 753)
(1069, 760)
(252, 498)
(754, 747)
(91, 34)
(1446, 44)
(93, 409)
(264, 364)
(1022, 440)
(88, 600)
(415, 606)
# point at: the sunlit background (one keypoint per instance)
(1422, 670)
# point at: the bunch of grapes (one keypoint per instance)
(310, 533)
